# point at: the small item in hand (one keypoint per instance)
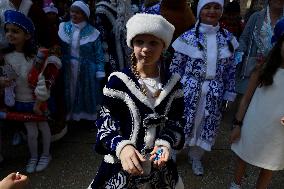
(158, 154)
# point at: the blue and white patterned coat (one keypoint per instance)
(201, 89)
(91, 62)
(121, 122)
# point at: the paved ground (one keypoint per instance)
(74, 164)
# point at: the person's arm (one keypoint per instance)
(14, 181)
(178, 63)
(229, 78)
(246, 36)
(243, 106)
(100, 62)
(110, 139)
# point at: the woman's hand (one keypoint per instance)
(130, 160)
(164, 157)
(235, 134)
(14, 181)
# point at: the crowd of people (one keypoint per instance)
(152, 76)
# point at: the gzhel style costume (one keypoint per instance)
(129, 117)
(261, 142)
(83, 62)
(207, 69)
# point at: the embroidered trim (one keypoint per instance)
(25, 6)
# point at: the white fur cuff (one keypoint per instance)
(160, 142)
(100, 74)
(120, 146)
(54, 60)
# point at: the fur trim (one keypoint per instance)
(25, 6)
(160, 142)
(136, 119)
(182, 46)
(230, 96)
(139, 95)
(158, 27)
(120, 146)
(167, 89)
(202, 3)
(110, 159)
(67, 38)
(54, 60)
(100, 74)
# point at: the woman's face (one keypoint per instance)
(147, 49)
(77, 15)
(16, 35)
(211, 13)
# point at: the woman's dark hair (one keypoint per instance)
(29, 48)
(199, 45)
(272, 63)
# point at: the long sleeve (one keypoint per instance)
(109, 136)
(229, 80)
(247, 34)
(100, 62)
(178, 63)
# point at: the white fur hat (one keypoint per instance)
(149, 24)
(202, 3)
(83, 6)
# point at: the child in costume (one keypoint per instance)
(141, 116)
(20, 56)
(258, 129)
(83, 63)
(204, 57)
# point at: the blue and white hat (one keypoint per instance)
(83, 6)
(202, 3)
(278, 30)
(19, 19)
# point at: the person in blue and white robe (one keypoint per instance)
(83, 64)
(142, 111)
(204, 57)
